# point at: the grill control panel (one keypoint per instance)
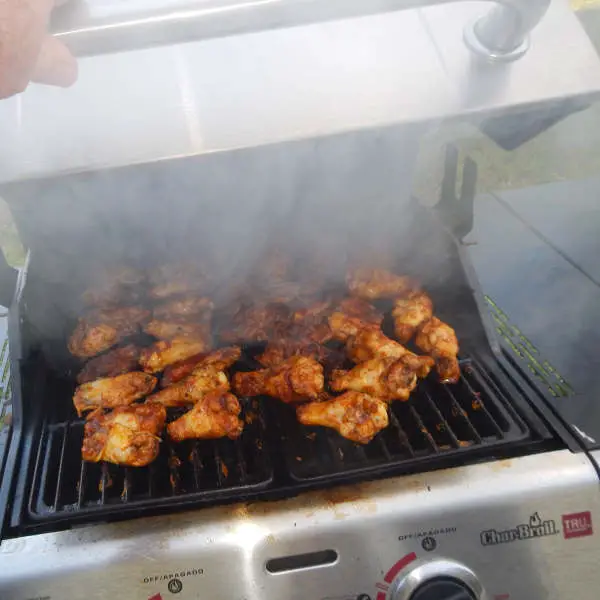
(489, 534)
(437, 579)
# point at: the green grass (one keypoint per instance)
(9, 238)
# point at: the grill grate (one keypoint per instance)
(438, 421)
(193, 471)
(275, 455)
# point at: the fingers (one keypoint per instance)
(25, 50)
(55, 64)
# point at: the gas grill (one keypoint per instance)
(480, 417)
(479, 490)
(491, 423)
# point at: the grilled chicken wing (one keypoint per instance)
(355, 416)
(216, 415)
(181, 278)
(439, 339)
(125, 317)
(184, 308)
(352, 315)
(103, 329)
(257, 323)
(113, 285)
(113, 363)
(110, 392)
(409, 312)
(221, 358)
(314, 313)
(278, 352)
(384, 378)
(164, 353)
(371, 342)
(192, 388)
(127, 436)
(88, 340)
(297, 340)
(296, 379)
(371, 284)
(168, 330)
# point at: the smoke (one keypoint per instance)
(320, 201)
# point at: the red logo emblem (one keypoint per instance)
(577, 525)
(155, 597)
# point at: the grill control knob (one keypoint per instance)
(437, 579)
(443, 588)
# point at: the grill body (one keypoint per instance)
(286, 511)
(346, 542)
(488, 414)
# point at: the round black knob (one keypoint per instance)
(443, 588)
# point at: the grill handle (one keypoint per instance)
(92, 27)
(8, 281)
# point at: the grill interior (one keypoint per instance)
(275, 455)
(486, 415)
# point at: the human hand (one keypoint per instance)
(27, 52)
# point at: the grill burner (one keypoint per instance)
(436, 424)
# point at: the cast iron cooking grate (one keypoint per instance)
(188, 472)
(440, 425)
(438, 421)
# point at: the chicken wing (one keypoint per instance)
(168, 330)
(180, 278)
(385, 378)
(371, 284)
(352, 315)
(355, 416)
(103, 329)
(88, 340)
(278, 352)
(192, 388)
(371, 342)
(301, 339)
(113, 363)
(296, 379)
(439, 339)
(113, 285)
(314, 313)
(128, 318)
(197, 307)
(222, 358)
(164, 353)
(257, 323)
(127, 436)
(216, 415)
(110, 392)
(409, 312)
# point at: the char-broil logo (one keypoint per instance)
(577, 525)
(536, 528)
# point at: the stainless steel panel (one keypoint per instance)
(221, 553)
(100, 26)
(284, 84)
